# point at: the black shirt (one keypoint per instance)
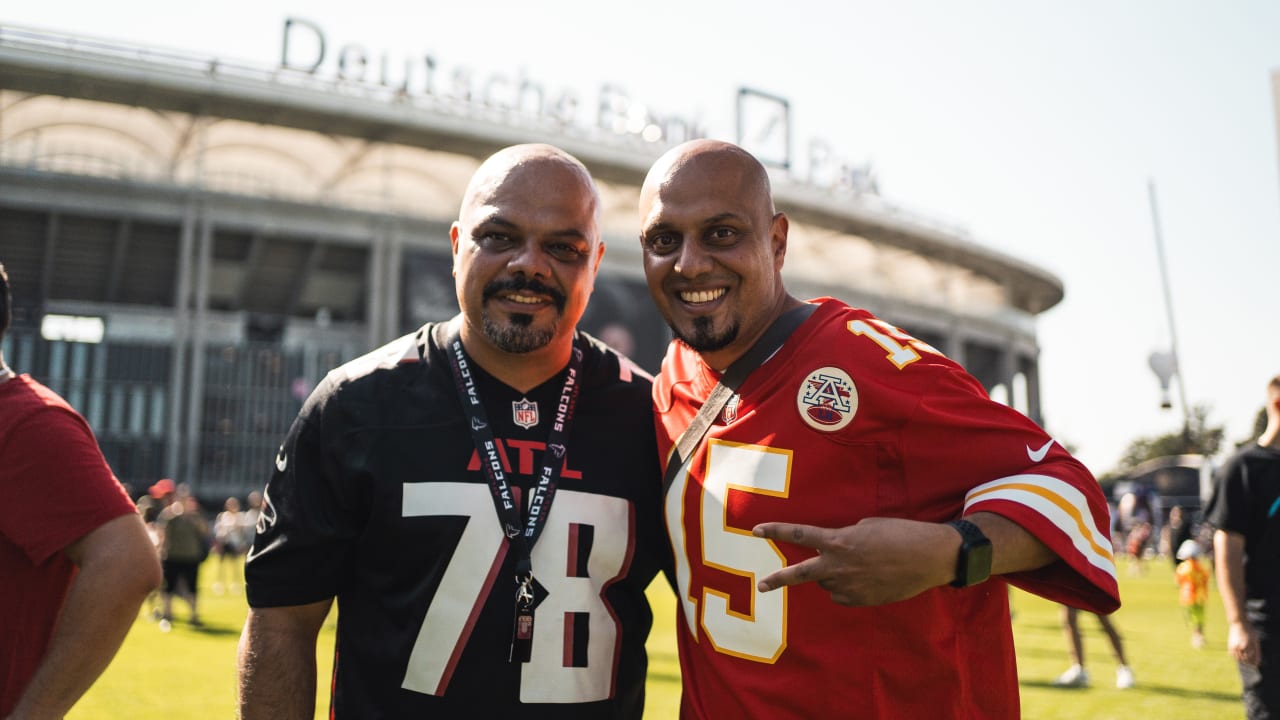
(379, 499)
(1246, 500)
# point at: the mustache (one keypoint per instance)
(519, 283)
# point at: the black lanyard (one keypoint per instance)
(509, 515)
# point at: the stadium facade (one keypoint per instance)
(193, 243)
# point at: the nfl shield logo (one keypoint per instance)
(730, 412)
(524, 413)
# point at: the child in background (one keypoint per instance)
(1193, 588)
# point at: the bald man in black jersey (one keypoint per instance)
(481, 497)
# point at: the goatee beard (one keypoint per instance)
(704, 338)
(518, 336)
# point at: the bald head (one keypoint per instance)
(724, 161)
(713, 247)
(555, 170)
(526, 249)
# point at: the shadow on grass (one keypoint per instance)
(1045, 627)
(1034, 652)
(216, 630)
(206, 628)
(1142, 687)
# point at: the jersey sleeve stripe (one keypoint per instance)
(1056, 501)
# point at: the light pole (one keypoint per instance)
(1166, 365)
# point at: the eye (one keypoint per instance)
(566, 252)
(494, 241)
(660, 243)
(722, 235)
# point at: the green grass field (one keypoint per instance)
(190, 673)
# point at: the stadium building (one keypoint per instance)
(193, 243)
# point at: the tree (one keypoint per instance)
(1259, 425)
(1198, 437)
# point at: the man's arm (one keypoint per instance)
(1228, 556)
(884, 560)
(118, 569)
(277, 661)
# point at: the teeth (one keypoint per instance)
(701, 296)
(526, 299)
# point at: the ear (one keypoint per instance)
(453, 242)
(595, 266)
(778, 238)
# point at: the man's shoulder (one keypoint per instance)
(876, 351)
(383, 378)
(25, 396)
(606, 368)
(401, 358)
(404, 350)
(1250, 456)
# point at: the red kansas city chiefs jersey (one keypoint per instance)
(851, 419)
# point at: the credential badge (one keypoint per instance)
(827, 399)
(524, 413)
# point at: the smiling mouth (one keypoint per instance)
(524, 291)
(701, 296)
(525, 299)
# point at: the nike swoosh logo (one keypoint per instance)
(1038, 455)
(282, 461)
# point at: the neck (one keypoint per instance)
(723, 358)
(1270, 438)
(522, 371)
(5, 373)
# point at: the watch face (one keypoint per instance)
(973, 564)
(978, 567)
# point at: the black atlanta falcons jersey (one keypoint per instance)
(379, 499)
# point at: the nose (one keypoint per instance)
(528, 259)
(692, 260)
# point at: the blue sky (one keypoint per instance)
(1036, 125)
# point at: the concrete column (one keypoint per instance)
(955, 343)
(1031, 368)
(173, 455)
(375, 293)
(1007, 369)
(199, 343)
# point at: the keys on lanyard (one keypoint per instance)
(522, 635)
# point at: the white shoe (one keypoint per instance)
(1124, 677)
(1075, 676)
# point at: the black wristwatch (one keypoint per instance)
(973, 565)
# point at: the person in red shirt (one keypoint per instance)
(835, 530)
(75, 557)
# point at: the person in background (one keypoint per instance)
(1244, 511)
(1174, 533)
(228, 532)
(1192, 577)
(1077, 676)
(844, 534)
(75, 559)
(184, 543)
(249, 519)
